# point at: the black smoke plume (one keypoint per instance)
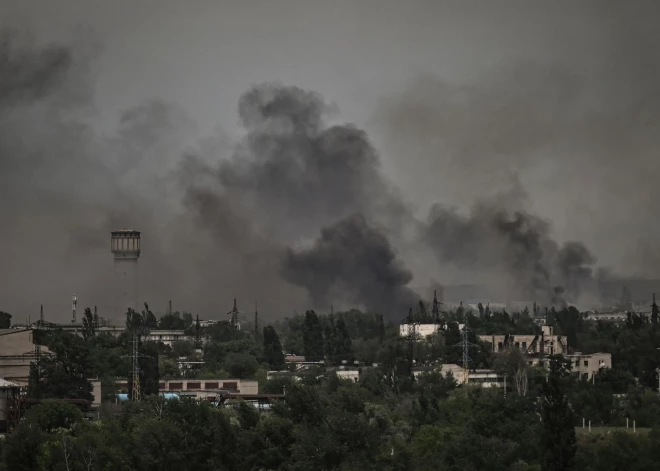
(294, 173)
(511, 244)
(356, 263)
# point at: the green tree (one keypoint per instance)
(173, 321)
(183, 349)
(241, 365)
(5, 320)
(343, 347)
(558, 433)
(90, 323)
(272, 348)
(65, 374)
(53, 414)
(312, 335)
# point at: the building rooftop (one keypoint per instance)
(4, 384)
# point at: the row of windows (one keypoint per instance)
(500, 346)
(193, 386)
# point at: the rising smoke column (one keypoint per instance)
(513, 244)
(295, 173)
(356, 263)
(290, 176)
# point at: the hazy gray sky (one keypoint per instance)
(463, 99)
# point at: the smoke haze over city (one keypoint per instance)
(302, 154)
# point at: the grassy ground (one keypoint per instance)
(601, 430)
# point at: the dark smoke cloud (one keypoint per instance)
(577, 134)
(576, 129)
(356, 263)
(513, 244)
(295, 173)
(27, 74)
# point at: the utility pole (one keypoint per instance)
(136, 395)
(655, 311)
(381, 327)
(410, 338)
(256, 321)
(138, 329)
(436, 307)
(465, 344)
(37, 353)
(198, 334)
(234, 313)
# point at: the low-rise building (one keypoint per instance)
(167, 337)
(611, 316)
(17, 351)
(204, 389)
(419, 330)
(422, 331)
(585, 366)
(481, 377)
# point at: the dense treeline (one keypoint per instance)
(328, 424)
(387, 420)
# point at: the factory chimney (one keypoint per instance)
(125, 246)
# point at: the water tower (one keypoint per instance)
(125, 246)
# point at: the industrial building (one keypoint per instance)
(546, 343)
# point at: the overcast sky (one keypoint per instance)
(370, 57)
